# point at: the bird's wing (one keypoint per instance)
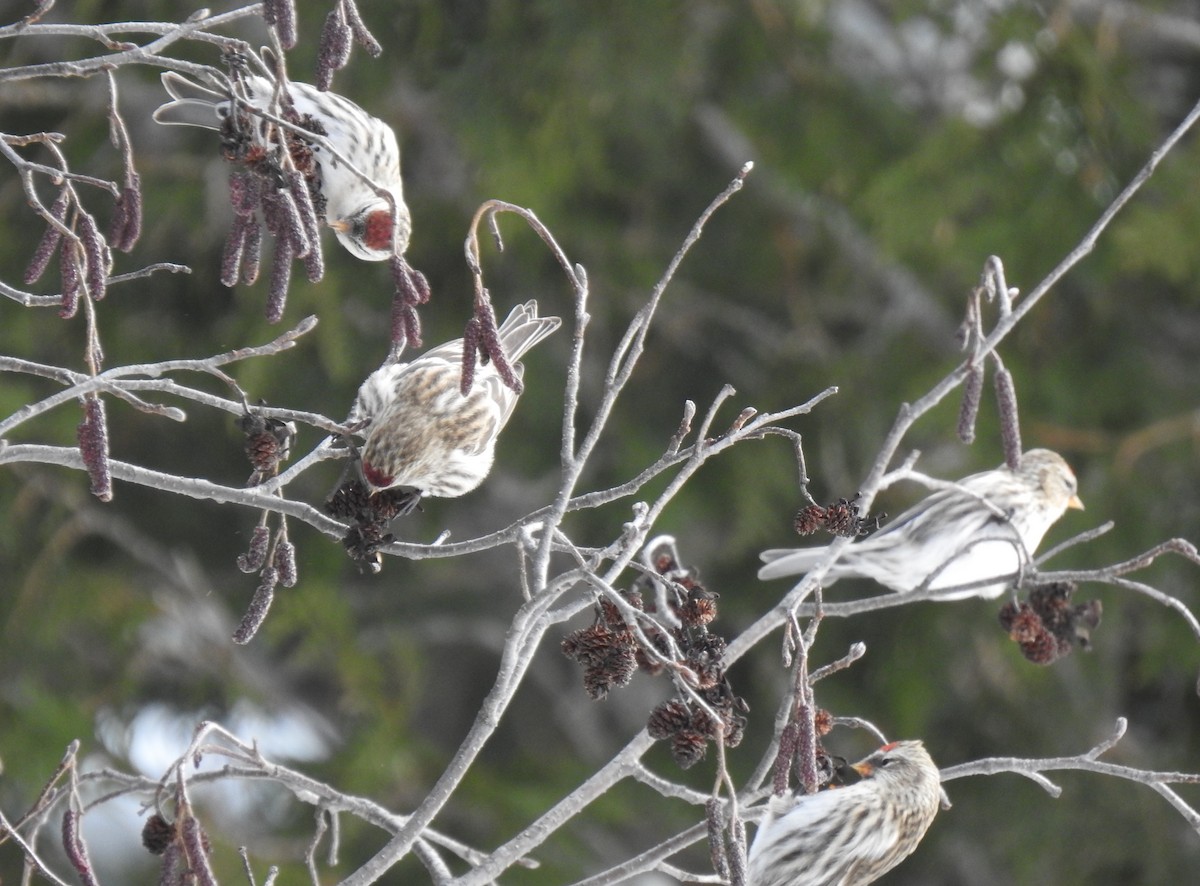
(913, 529)
(505, 397)
(450, 351)
(801, 811)
(810, 819)
(877, 843)
(781, 562)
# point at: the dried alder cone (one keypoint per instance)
(986, 527)
(268, 444)
(840, 518)
(1048, 627)
(369, 514)
(852, 835)
(606, 649)
(610, 652)
(689, 727)
(157, 834)
(184, 851)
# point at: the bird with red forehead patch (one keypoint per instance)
(422, 432)
(853, 835)
(361, 217)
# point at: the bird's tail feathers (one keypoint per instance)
(191, 103)
(782, 562)
(523, 329)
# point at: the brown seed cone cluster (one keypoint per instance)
(369, 515)
(157, 834)
(611, 652)
(607, 656)
(184, 846)
(1047, 627)
(840, 518)
(689, 727)
(268, 444)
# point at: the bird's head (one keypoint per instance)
(376, 478)
(1052, 477)
(369, 233)
(904, 762)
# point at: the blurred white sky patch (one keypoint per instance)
(158, 734)
(155, 737)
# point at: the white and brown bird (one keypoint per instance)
(986, 527)
(422, 433)
(361, 217)
(853, 835)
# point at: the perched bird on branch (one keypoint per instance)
(422, 432)
(360, 215)
(853, 835)
(986, 527)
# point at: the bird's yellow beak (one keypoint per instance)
(340, 225)
(1076, 502)
(863, 768)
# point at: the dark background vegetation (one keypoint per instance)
(897, 146)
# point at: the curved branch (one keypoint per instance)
(1085, 762)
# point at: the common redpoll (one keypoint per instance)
(422, 432)
(849, 836)
(988, 528)
(361, 218)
